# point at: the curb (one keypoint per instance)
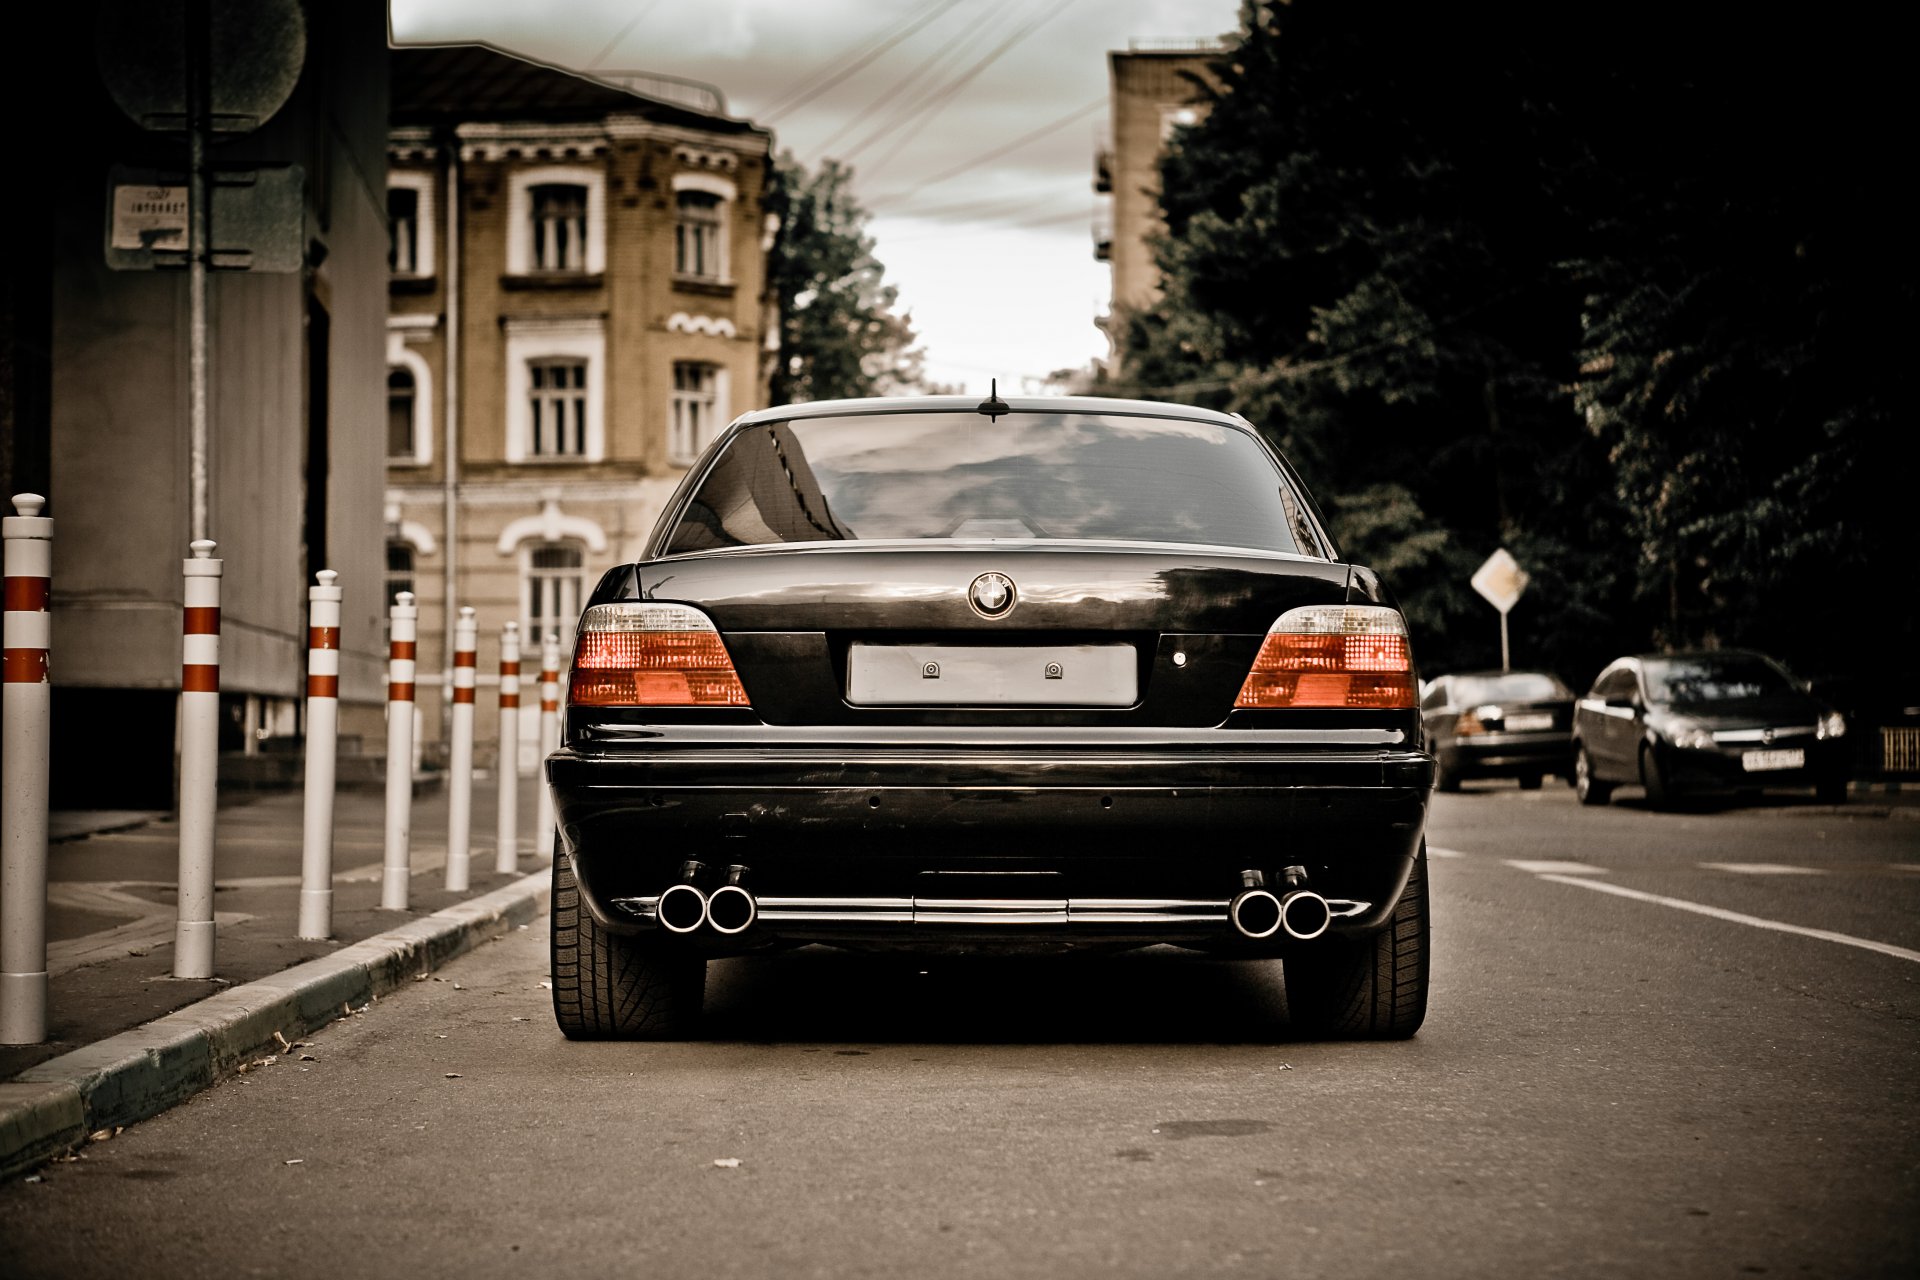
(52, 1107)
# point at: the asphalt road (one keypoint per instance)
(1607, 1085)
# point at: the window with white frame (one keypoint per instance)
(557, 391)
(559, 227)
(554, 586)
(697, 235)
(410, 223)
(556, 219)
(697, 409)
(401, 397)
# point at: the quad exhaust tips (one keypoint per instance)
(731, 909)
(1256, 912)
(682, 907)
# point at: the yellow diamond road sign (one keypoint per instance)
(1500, 580)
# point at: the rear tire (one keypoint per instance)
(1654, 779)
(609, 986)
(1831, 791)
(1529, 782)
(1368, 988)
(1587, 788)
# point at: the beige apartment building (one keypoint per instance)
(590, 264)
(1153, 93)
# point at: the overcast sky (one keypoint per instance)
(995, 261)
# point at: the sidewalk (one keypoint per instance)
(111, 913)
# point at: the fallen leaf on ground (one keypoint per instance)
(284, 1046)
(307, 1057)
(293, 1162)
(453, 1075)
(731, 1162)
(33, 1177)
(99, 1135)
(547, 985)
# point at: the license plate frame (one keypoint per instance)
(1529, 722)
(1774, 760)
(1054, 675)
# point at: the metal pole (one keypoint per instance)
(1505, 665)
(199, 91)
(397, 870)
(323, 746)
(450, 453)
(460, 766)
(507, 844)
(543, 829)
(23, 786)
(199, 760)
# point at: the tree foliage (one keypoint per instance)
(1585, 289)
(839, 334)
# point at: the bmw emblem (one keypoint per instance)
(991, 595)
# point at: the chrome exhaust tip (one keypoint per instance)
(1304, 914)
(1254, 912)
(681, 909)
(731, 909)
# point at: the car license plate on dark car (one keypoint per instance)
(909, 675)
(1760, 761)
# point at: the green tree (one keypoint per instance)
(839, 334)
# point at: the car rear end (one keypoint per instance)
(1074, 676)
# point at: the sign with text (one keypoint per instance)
(1500, 580)
(149, 218)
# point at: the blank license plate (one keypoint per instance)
(1759, 761)
(953, 675)
(1523, 723)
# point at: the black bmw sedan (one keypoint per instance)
(1717, 721)
(1021, 675)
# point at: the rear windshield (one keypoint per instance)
(1515, 686)
(1729, 677)
(1025, 476)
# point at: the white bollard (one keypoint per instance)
(23, 787)
(323, 755)
(397, 870)
(199, 760)
(507, 844)
(466, 634)
(543, 827)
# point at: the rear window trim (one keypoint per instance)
(692, 481)
(1095, 546)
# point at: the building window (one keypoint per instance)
(559, 227)
(403, 230)
(401, 395)
(698, 236)
(554, 585)
(399, 570)
(696, 409)
(557, 404)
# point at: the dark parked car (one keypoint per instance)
(1498, 724)
(973, 677)
(1717, 721)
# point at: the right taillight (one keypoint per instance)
(1334, 655)
(651, 655)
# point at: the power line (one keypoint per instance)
(926, 84)
(997, 224)
(952, 91)
(833, 74)
(1015, 145)
(645, 7)
(917, 76)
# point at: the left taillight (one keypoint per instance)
(1338, 655)
(651, 655)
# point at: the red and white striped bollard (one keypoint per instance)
(506, 858)
(323, 748)
(466, 636)
(23, 786)
(396, 878)
(193, 933)
(543, 827)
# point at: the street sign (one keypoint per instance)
(258, 219)
(1500, 580)
(254, 51)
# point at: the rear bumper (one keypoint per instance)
(1724, 767)
(1510, 753)
(987, 846)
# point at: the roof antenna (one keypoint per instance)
(993, 406)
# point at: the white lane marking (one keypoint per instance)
(1558, 868)
(1763, 869)
(1681, 904)
(1435, 851)
(1897, 866)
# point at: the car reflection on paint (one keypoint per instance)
(1498, 724)
(1012, 676)
(1706, 722)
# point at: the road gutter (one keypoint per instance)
(52, 1107)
